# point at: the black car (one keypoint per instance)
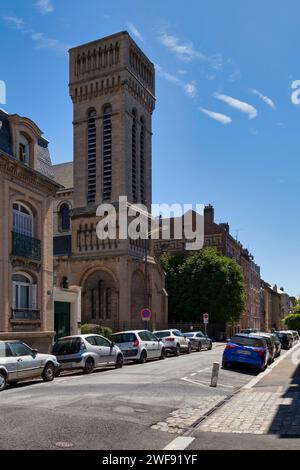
(285, 338)
(270, 344)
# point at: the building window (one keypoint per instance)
(92, 145)
(64, 218)
(24, 292)
(22, 220)
(133, 150)
(108, 302)
(24, 150)
(142, 160)
(107, 153)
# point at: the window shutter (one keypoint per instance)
(34, 297)
(14, 299)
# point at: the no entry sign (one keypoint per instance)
(205, 318)
(146, 314)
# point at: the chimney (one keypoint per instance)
(225, 225)
(209, 214)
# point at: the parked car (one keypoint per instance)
(139, 345)
(19, 362)
(276, 339)
(285, 338)
(249, 330)
(247, 349)
(86, 352)
(270, 344)
(199, 340)
(295, 335)
(174, 341)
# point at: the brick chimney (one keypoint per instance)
(209, 214)
(225, 225)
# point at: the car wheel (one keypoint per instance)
(189, 350)
(3, 382)
(89, 366)
(143, 357)
(224, 364)
(119, 362)
(48, 373)
(177, 351)
(210, 346)
(163, 354)
(199, 347)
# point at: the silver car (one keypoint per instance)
(86, 352)
(174, 341)
(199, 340)
(139, 345)
(19, 362)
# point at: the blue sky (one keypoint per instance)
(225, 129)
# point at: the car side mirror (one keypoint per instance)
(159, 339)
(112, 344)
(34, 352)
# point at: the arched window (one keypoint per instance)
(107, 153)
(142, 160)
(24, 301)
(92, 145)
(64, 218)
(133, 150)
(24, 150)
(22, 220)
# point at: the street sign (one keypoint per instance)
(146, 314)
(205, 318)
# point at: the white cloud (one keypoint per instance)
(190, 89)
(135, 32)
(44, 42)
(167, 76)
(15, 21)
(217, 116)
(237, 104)
(45, 6)
(181, 72)
(264, 98)
(184, 51)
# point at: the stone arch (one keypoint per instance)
(137, 296)
(100, 296)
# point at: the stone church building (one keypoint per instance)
(112, 87)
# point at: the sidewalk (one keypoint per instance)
(270, 407)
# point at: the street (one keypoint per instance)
(138, 407)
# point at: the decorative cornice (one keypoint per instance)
(12, 168)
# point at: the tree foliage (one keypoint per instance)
(206, 282)
(292, 321)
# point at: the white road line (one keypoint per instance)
(257, 379)
(179, 443)
(194, 373)
(205, 384)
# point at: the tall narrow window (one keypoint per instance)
(64, 218)
(142, 160)
(91, 170)
(134, 178)
(107, 153)
(24, 150)
(108, 302)
(22, 220)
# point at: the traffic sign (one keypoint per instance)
(205, 318)
(146, 314)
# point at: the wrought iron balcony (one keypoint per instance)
(25, 314)
(27, 247)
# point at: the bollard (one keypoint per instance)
(215, 374)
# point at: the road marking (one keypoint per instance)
(206, 384)
(179, 443)
(257, 379)
(194, 373)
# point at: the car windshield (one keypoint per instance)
(67, 346)
(162, 334)
(247, 341)
(123, 338)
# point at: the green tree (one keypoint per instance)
(204, 282)
(292, 321)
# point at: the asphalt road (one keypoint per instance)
(112, 408)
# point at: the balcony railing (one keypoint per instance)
(25, 314)
(27, 247)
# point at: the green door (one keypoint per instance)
(62, 319)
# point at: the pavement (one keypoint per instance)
(147, 406)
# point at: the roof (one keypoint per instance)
(64, 174)
(44, 164)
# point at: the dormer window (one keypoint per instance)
(24, 150)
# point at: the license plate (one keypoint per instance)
(245, 353)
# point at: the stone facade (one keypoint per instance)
(26, 256)
(112, 87)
